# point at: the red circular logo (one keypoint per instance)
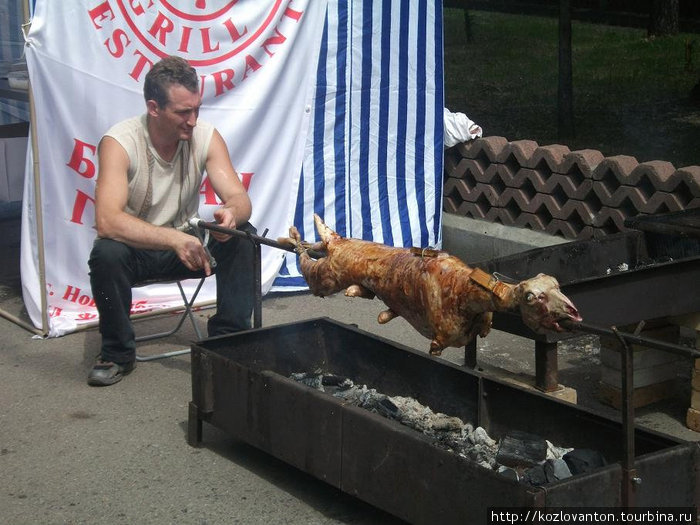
(204, 32)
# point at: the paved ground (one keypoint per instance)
(70, 453)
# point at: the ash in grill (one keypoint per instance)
(519, 455)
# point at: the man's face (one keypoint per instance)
(179, 116)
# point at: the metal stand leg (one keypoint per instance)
(470, 354)
(546, 366)
(629, 478)
(189, 303)
(194, 426)
(257, 283)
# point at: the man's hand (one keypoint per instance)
(226, 218)
(192, 253)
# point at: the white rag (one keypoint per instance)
(459, 128)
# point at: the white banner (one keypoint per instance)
(87, 60)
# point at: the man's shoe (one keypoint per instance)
(106, 373)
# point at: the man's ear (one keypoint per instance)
(152, 108)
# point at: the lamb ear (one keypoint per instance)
(519, 291)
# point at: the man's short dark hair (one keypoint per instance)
(170, 70)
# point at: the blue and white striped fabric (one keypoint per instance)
(373, 164)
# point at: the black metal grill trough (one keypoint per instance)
(241, 384)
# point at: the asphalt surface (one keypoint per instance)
(74, 454)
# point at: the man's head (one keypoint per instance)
(172, 98)
(168, 71)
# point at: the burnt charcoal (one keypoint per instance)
(332, 380)
(508, 473)
(556, 469)
(535, 476)
(313, 380)
(583, 460)
(521, 449)
(518, 456)
(386, 407)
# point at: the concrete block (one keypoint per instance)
(690, 177)
(482, 192)
(691, 321)
(658, 173)
(471, 210)
(640, 376)
(569, 230)
(695, 379)
(551, 156)
(615, 169)
(584, 161)
(641, 357)
(695, 399)
(531, 221)
(661, 202)
(518, 152)
(692, 419)
(612, 220)
(458, 189)
(484, 149)
(459, 168)
(643, 396)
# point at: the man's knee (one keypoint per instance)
(108, 254)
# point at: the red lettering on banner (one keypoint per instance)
(210, 197)
(81, 201)
(163, 28)
(79, 163)
(140, 307)
(101, 13)
(245, 179)
(140, 65)
(55, 311)
(76, 295)
(160, 27)
(293, 14)
(185, 39)
(207, 190)
(273, 41)
(251, 65)
(138, 8)
(223, 81)
(206, 41)
(120, 42)
(233, 30)
(86, 316)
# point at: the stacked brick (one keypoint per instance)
(574, 194)
(691, 323)
(654, 373)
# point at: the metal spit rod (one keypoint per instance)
(255, 239)
(632, 338)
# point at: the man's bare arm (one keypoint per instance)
(237, 207)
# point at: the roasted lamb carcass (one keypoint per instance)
(444, 299)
